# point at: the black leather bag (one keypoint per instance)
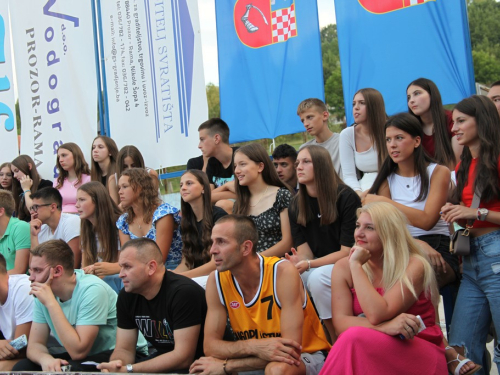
(460, 240)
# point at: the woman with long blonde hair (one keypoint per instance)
(379, 294)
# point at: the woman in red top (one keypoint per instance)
(477, 127)
(424, 102)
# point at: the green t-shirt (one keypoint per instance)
(93, 303)
(16, 237)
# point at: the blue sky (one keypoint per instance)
(206, 8)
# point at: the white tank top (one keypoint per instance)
(405, 190)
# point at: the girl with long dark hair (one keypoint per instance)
(73, 172)
(477, 128)
(417, 186)
(26, 181)
(362, 145)
(98, 232)
(128, 157)
(103, 164)
(322, 218)
(424, 102)
(261, 195)
(5, 177)
(198, 218)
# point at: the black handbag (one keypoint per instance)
(460, 240)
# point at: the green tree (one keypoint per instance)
(484, 25)
(213, 100)
(331, 71)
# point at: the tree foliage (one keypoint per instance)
(331, 71)
(213, 100)
(484, 25)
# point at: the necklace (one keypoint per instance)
(139, 225)
(261, 196)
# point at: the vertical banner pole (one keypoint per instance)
(102, 123)
(103, 71)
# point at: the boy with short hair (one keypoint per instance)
(214, 143)
(284, 157)
(314, 115)
(48, 222)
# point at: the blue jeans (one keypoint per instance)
(478, 298)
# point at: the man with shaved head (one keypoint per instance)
(167, 308)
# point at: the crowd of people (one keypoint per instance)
(328, 260)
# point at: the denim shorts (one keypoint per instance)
(478, 300)
(441, 244)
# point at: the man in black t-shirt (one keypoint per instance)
(167, 308)
(214, 143)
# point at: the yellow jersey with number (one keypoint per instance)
(260, 318)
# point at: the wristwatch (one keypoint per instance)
(129, 368)
(482, 213)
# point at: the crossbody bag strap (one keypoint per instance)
(475, 204)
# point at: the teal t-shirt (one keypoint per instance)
(16, 237)
(93, 303)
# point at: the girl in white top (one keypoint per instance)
(410, 181)
(362, 148)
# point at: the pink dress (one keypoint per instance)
(361, 350)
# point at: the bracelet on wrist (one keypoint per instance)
(28, 190)
(308, 264)
(224, 366)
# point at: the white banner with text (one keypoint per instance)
(56, 74)
(154, 77)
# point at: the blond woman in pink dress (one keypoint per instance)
(377, 294)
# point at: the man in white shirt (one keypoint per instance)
(49, 223)
(16, 314)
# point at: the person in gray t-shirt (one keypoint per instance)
(314, 115)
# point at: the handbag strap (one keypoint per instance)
(475, 204)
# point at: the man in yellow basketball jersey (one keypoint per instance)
(274, 323)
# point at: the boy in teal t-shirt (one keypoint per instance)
(79, 310)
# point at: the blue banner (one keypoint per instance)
(387, 44)
(269, 61)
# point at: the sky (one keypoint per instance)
(206, 9)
